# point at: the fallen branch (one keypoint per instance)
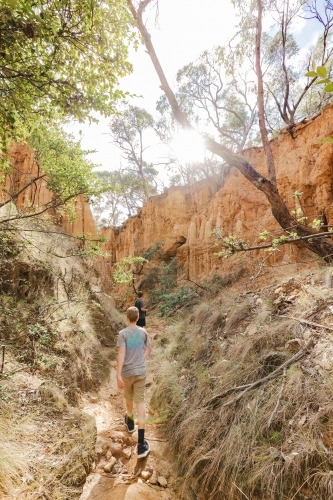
(9, 374)
(319, 309)
(226, 393)
(305, 322)
(194, 283)
(279, 399)
(274, 374)
(247, 387)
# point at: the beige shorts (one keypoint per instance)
(135, 388)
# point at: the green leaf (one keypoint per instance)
(329, 88)
(311, 73)
(328, 140)
(319, 82)
(322, 71)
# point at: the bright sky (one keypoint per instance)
(185, 28)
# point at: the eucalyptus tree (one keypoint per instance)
(121, 198)
(287, 221)
(60, 58)
(288, 96)
(128, 131)
(218, 93)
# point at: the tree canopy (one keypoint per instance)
(60, 58)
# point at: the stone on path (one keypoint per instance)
(127, 453)
(145, 474)
(141, 491)
(162, 481)
(153, 479)
(108, 467)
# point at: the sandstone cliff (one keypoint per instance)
(25, 172)
(183, 218)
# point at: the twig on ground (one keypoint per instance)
(319, 309)
(194, 283)
(156, 439)
(242, 492)
(278, 401)
(16, 371)
(274, 374)
(3, 350)
(305, 322)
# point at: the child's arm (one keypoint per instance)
(120, 362)
(147, 352)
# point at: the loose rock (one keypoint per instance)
(108, 467)
(162, 481)
(153, 479)
(127, 453)
(116, 449)
(145, 474)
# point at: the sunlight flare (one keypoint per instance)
(188, 147)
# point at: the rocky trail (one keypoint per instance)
(118, 473)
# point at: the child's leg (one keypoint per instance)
(128, 394)
(141, 411)
(129, 407)
(139, 399)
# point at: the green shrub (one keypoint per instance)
(173, 301)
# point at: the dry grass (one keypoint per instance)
(277, 442)
(49, 323)
(14, 462)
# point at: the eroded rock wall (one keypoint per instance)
(36, 196)
(183, 218)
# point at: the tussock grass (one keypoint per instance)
(13, 453)
(277, 442)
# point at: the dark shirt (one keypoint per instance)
(139, 304)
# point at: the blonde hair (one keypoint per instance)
(132, 314)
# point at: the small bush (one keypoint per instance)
(173, 301)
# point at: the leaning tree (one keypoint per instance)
(317, 243)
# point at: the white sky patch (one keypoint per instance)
(188, 147)
(298, 25)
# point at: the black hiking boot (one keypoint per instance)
(129, 422)
(143, 449)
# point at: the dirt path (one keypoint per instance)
(129, 478)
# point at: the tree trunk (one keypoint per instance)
(279, 209)
(261, 103)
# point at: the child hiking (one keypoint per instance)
(142, 310)
(133, 350)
